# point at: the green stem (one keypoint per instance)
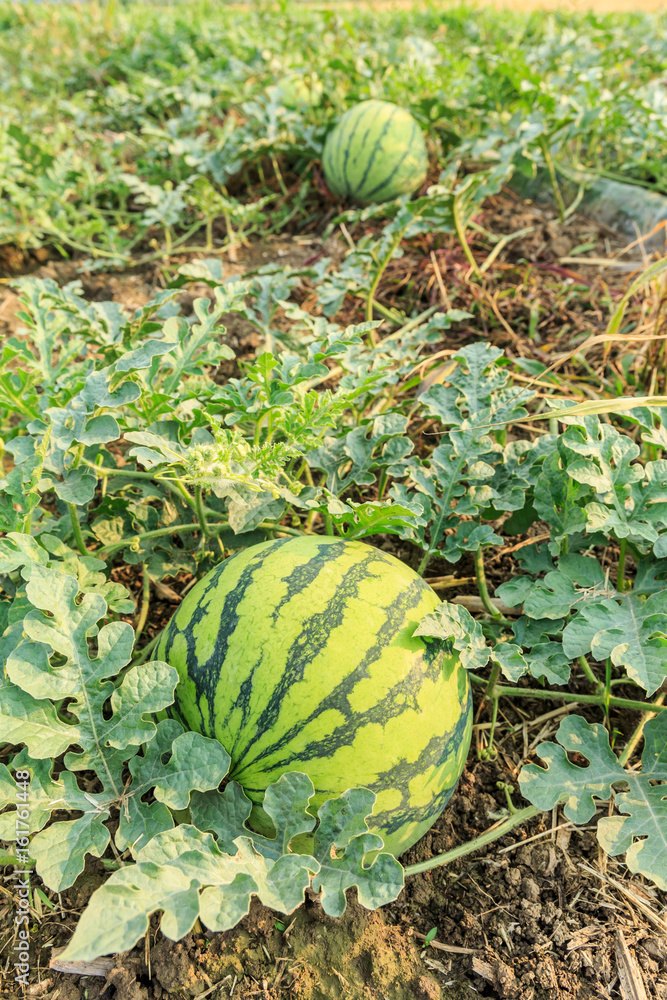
(279, 176)
(201, 517)
(103, 470)
(506, 691)
(378, 276)
(421, 569)
(258, 428)
(389, 314)
(382, 484)
(231, 236)
(482, 587)
(495, 833)
(215, 529)
(606, 691)
(585, 666)
(145, 603)
(173, 485)
(32, 485)
(148, 649)
(176, 529)
(459, 225)
(328, 523)
(76, 530)
(548, 159)
(621, 585)
(176, 486)
(491, 692)
(90, 248)
(492, 682)
(411, 324)
(639, 731)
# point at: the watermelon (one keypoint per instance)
(299, 91)
(375, 153)
(298, 655)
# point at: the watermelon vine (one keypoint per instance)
(122, 444)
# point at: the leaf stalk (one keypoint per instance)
(483, 588)
(76, 530)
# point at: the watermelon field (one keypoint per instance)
(333, 501)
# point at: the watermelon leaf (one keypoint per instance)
(48, 651)
(631, 631)
(32, 721)
(454, 624)
(354, 458)
(286, 802)
(630, 497)
(186, 873)
(469, 473)
(222, 813)
(58, 625)
(195, 762)
(343, 826)
(643, 805)
(358, 520)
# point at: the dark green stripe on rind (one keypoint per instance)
(377, 148)
(392, 181)
(435, 754)
(300, 578)
(314, 637)
(393, 704)
(206, 674)
(345, 145)
(407, 822)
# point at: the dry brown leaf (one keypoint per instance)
(166, 593)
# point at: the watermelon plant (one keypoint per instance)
(120, 444)
(203, 764)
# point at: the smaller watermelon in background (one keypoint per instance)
(375, 153)
(300, 91)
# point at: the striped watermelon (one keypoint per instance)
(375, 153)
(298, 655)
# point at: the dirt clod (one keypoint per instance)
(173, 968)
(124, 977)
(361, 953)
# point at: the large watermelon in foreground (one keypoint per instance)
(375, 153)
(298, 655)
